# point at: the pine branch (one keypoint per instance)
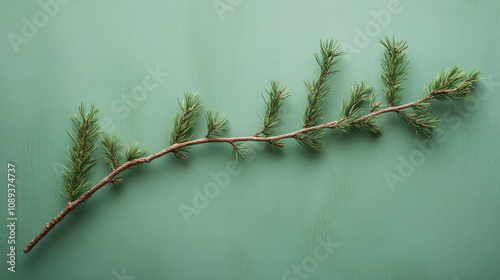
(184, 122)
(374, 105)
(394, 69)
(452, 84)
(341, 126)
(239, 149)
(449, 85)
(112, 156)
(351, 109)
(80, 155)
(313, 140)
(318, 90)
(422, 122)
(274, 104)
(111, 145)
(369, 126)
(133, 152)
(216, 124)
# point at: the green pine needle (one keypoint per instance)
(313, 140)
(351, 109)
(421, 121)
(318, 90)
(274, 104)
(452, 84)
(342, 126)
(133, 152)
(185, 122)
(369, 126)
(216, 124)
(111, 145)
(277, 145)
(239, 150)
(394, 69)
(112, 156)
(80, 154)
(374, 105)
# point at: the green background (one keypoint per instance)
(440, 221)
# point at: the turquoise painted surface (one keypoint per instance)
(441, 222)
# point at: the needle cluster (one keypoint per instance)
(351, 111)
(81, 154)
(185, 122)
(317, 91)
(274, 104)
(112, 156)
(394, 69)
(133, 152)
(452, 84)
(216, 124)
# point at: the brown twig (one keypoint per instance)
(320, 83)
(109, 179)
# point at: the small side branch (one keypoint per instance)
(175, 147)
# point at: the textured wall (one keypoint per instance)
(332, 215)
